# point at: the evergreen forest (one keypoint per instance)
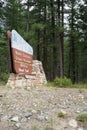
(57, 31)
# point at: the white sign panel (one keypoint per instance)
(22, 54)
(19, 43)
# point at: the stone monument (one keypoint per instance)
(24, 71)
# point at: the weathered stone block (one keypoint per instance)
(36, 78)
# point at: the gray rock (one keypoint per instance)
(15, 119)
(4, 118)
(40, 117)
(28, 115)
(18, 125)
(73, 123)
(34, 111)
(46, 117)
(82, 110)
(24, 119)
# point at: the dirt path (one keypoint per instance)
(38, 108)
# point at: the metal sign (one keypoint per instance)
(22, 54)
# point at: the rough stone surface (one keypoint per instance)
(80, 128)
(4, 118)
(36, 78)
(15, 119)
(73, 123)
(38, 108)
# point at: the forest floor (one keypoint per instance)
(42, 108)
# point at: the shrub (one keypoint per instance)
(62, 82)
(4, 77)
(82, 117)
(60, 114)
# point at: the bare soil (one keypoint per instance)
(38, 108)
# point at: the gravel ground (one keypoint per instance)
(40, 108)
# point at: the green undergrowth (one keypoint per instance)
(65, 83)
(3, 78)
(80, 86)
(2, 83)
(63, 115)
(60, 82)
(81, 117)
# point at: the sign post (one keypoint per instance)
(10, 53)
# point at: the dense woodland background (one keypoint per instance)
(57, 31)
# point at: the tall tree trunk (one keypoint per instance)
(73, 59)
(38, 44)
(72, 45)
(62, 43)
(44, 50)
(44, 40)
(61, 36)
(53, 40)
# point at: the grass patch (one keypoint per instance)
(80, 86)
(62, 115)
(50, 84)
(2, 83)
(82, 117)
(65, 83)
(34, 128)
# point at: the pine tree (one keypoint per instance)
(13, 14)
